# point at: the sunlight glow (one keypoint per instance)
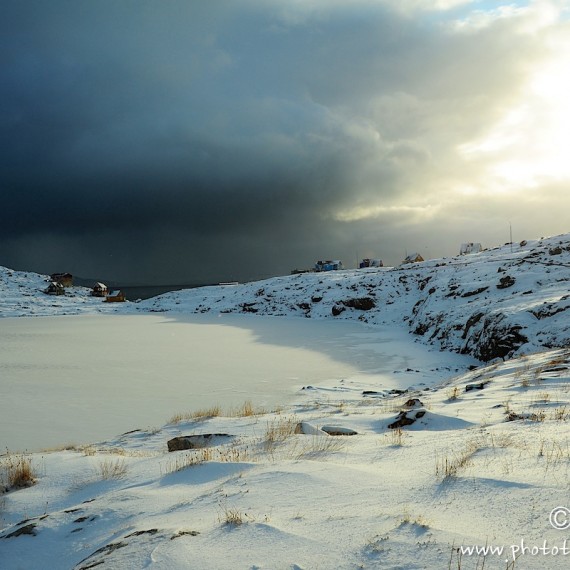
(528, 147)
(415, 213)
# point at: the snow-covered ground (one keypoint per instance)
(482, 459)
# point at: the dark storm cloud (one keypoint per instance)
(194, 130)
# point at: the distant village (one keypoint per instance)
(59, 282)
(336, 264)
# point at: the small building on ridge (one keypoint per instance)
(467, 248)
(66, 279)
(115, 297)
(366, 262)
(99, 290)
(413, 258)
(54, 288)
(329, 265)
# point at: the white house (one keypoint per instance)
(467, 248)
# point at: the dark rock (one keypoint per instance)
(475, 292)
(506, 281)
(413, 403)
(249, 308)
(555, 250)
(549, 310)
(28, 529)
(422, 284)
(361, 304)
(337, 310)
(401, 420)
(185, 533)
(196, 441)
(478, 386)
(139, 532)
(494, 339)
(472, 321)
(421, 329)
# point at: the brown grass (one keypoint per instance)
(247, 409)
(197, 415)
(278, 430)
(16, 471)
(230, 454)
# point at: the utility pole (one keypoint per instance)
(511, 235)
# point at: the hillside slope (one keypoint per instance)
(505, 301)
(22, 295)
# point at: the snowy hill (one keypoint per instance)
(497, 303)
(22, 295)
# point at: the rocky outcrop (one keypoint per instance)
(361, 304)
(496, 338)
(406, 418)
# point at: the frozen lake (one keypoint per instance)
(81, 379)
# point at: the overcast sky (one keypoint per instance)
(187, 141)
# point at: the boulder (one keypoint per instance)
(361, 304)
(337, 310)
(406, 418)
(197, 441)
(505, 282)
(338, 430)
(306, 428)
(414, 403)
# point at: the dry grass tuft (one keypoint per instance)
(197, 415)
(109, 469)
(230, 454)
(232, 516)
(279, 430)
(318, 446)
(397, 437)
(448, 466)
(247, 409)
(561, 414)
(453, 393)
(16, 471)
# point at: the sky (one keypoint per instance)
(205, 141)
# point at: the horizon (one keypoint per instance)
(83, 281)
